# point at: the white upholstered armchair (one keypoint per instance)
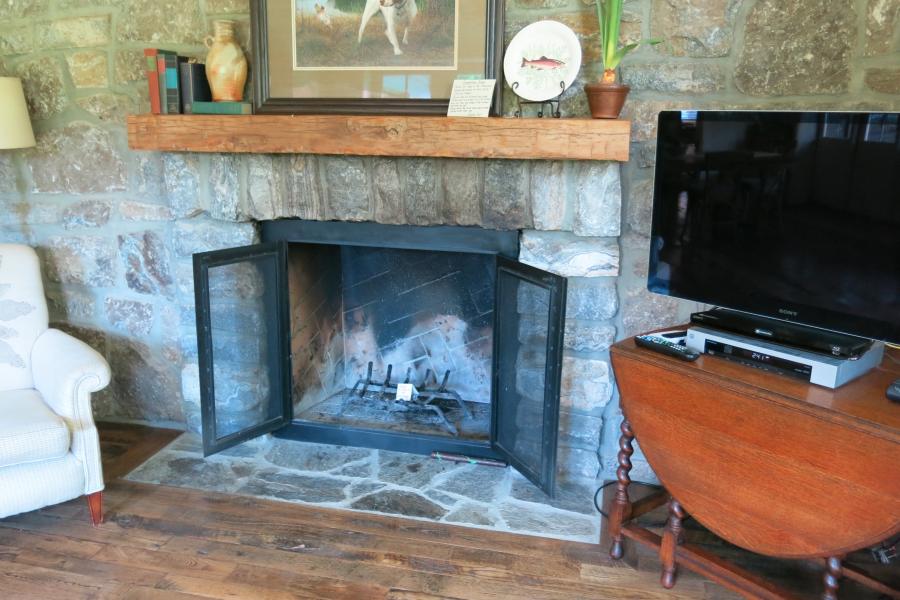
(49, 448)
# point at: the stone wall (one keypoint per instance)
(117, 228)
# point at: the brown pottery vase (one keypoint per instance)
(226, 65)
(606, 99)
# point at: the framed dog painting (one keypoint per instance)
(371, 56)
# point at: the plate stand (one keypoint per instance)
(553, 103)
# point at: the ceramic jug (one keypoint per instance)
(226, 65)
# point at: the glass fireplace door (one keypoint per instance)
(528, 346)
(242, 309)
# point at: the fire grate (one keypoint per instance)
(428, 392)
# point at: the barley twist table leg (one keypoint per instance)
(671, 538)
(621, 508)
(831, 578)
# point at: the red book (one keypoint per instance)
(153, 80)
(161, 77)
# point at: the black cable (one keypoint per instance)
(597, 494)
(609, 483)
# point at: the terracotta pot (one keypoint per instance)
(606, 99)
(226, 65)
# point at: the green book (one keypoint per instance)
(222, 108)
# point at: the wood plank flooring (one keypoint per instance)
(161, 542)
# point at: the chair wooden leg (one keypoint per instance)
(95, 506)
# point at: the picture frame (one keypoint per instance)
(281, 89)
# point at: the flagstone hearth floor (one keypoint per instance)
(377, 481)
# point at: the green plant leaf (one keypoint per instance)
(609, 19)
(620, 54)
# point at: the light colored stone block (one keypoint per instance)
(586, 385)
(182, 183)
(592, 299)
(73, 32)
(202, 235)
(17, 39)
(17, 9)
(140, 211)
(108, 106)
(698, 28)
(549, 194)
(129, 316)
(882, 17)
(146, 262)
(128, 66)
(588, 336)
(42, 82)
(224, 189)
(79, 158)
(88, 213)
(85, 260)
(680, 78)
(598, 202)
(168, 21)
(266, 186)
(88, 68)
(569, 255)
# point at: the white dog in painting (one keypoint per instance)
(323, 15)
(395, 12)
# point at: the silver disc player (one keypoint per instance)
(820, 369)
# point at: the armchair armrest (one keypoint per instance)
(66, 371)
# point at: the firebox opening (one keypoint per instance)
(366, 319)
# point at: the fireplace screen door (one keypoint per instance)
(528, 345)
(242, 342)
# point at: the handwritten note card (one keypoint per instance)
(471, 98)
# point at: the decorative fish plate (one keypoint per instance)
(542, 61)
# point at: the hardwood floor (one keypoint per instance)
(162, 542)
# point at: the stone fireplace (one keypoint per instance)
(418, 339)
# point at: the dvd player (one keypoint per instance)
(782, 332)
(820, 369)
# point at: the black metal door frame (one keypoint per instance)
(278, 365)
(556, 285)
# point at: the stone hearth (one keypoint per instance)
(378, 481)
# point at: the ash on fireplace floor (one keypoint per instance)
(372, 412)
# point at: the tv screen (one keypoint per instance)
(789, 215)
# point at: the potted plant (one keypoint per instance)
(607, 97)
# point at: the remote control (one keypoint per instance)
(893, 391)
(666, 347)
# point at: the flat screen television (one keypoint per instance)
(788, 215)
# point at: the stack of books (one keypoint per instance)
(179, 86)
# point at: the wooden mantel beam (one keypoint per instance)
(449, 137)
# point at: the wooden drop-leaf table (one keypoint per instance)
(769, 463)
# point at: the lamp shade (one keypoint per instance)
(15, 126)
